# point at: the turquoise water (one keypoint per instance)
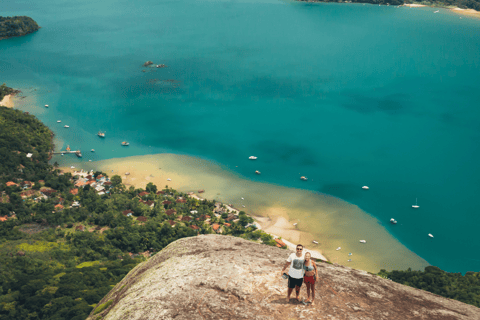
(347, 95)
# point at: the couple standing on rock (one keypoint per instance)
(302, 269)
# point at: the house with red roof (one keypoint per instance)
(74, 191)
(11, 183)
(142, 219)
(216, 228)
(127, 213)
(80, 228)
(143, 194)
(58, 207)
(170, 212)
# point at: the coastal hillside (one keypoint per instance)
(16, 26)
(464, 4)
(221, 277)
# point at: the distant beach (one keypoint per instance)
(7, 101)
(330, 221)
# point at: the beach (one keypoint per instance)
(414, 5)
(330, 221)
(467, 12)
(7, 101)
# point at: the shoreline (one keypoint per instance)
(330, 221)
(7, 101)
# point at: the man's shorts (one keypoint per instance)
(292, 282)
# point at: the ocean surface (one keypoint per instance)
(345, 94)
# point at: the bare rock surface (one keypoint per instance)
(223, 277)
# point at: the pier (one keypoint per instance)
(78, 153)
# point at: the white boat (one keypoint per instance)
(46, 106)
(59, 121)
(125, 143)
(338, 248)
(101, 134)
(430, 235)
(243, 199)
(304, 178)
(393, 221)
(243, 206)
(436, 11)
(65, 126)
(93, 150)
(316, 242)
(252, 158)
(363, 241)
(169, 179)
(257, 172)
(72, 167)
(415, 205)
(365, 188)
(295, 224)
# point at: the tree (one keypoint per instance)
(151, 187)
(116, 180)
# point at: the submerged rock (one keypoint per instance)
(223, 277)
(146, 64)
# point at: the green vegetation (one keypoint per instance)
(16, 26)
(103, 306)
(49, 267)
(4, 90)
(450, 285)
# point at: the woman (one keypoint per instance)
(311, 275)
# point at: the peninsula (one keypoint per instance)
(16, 26)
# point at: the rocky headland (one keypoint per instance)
(223, 277)
(16, 26)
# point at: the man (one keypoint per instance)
(295, 273)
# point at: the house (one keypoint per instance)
(27, 194)
(216, 228)
(280, 243)
(142, 219)
(4, 218)
(29, 155)
(151, 204)
(143, 194)
(180, 200)
(227, 224)
(11, 183)
(80, 228)
(193, 211)
(127, 213)
(166, 202)
(27, 184)
(186, 218)
(74, 191)
(75, 204)
(231, 217)
(170, 212)
(171, 222)
(194, 227)
(58, 207)
(160, 192)
(80, 183)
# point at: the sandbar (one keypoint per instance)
(325, 219)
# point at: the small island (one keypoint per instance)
(16, 26)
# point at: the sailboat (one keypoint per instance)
(415, 205)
